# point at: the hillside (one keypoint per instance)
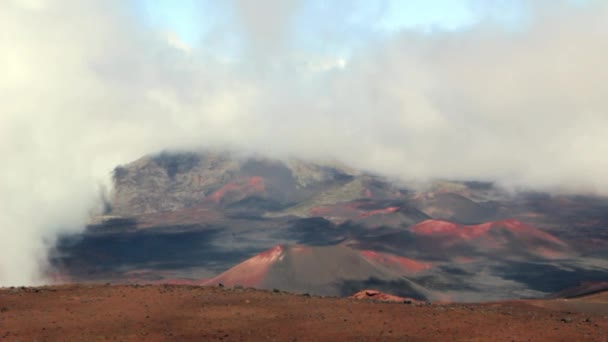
(195, 313)
(329, 229)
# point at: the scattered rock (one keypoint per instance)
(382, 297)
(223, 307)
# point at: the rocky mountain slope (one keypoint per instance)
(326, 228)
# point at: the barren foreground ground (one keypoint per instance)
(173, 312)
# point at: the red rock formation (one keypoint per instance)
(393, 261)
(246, 186)
(381, 296)
(251, 272)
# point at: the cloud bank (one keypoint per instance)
(85, 87)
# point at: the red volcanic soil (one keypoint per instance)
(540, 242)
(524, 229)
(251, 272)
(596, 303)
(192, 215)
(382, 297)
(464, 232)
(300, 268)
(402, 264)
(194, 313)
(349, 211)
(244, 186)
(379, 211)
(586, 288)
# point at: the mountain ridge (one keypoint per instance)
(195, 216)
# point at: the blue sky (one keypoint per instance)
(190, 20)
(182, 17)
(440, 14)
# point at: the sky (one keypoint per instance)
(191, 20)
(511, 92)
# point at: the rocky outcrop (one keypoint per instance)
(225, 180)
(382, 297)
(173, 181)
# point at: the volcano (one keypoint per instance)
(510, 237)
(322, 270)
(329, 229)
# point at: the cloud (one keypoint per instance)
(84, 88)
(265, 25)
